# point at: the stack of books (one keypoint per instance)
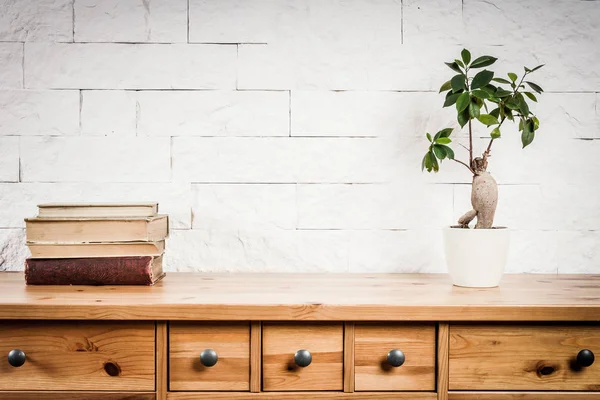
(96, 244)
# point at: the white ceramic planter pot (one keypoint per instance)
(476, 257)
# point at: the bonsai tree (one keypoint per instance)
(481, 97)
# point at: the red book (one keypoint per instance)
(143, 270)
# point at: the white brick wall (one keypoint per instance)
(287, 135)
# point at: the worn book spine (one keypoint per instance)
(92, 271)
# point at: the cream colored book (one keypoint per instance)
(96, 230)
(84, 250)
(97, 210)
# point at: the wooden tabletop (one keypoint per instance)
(343, 297)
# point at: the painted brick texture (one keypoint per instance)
(287, 136)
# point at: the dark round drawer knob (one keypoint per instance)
(16, 358)
(209, 358)
(585, 358)
(303, 358)
(396, 358)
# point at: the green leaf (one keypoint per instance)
(531, 96)
(474, 109)
(502, 93)
(443, 140)
(459, 63)
(454, 67)
(488, 119)
(439, 151)
(458, 82)
(495, 112)
(513, 77)
(523, 106)
(449, 151)
(444, 133)
(483, 61)
(434, 162)
(463, 102)
(481, 79)
(495, 134)
(528, 134)
(501, 80)
(535, 87)
(508, 114)
(466, 56)
(426, 163)
(463, 117)
(446, 86)
(482, 94)
(536, 123)
(429, 137)
(491, 89)
(451, 99)
(512, 103)
(538, 67)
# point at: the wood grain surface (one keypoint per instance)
(231, 342)
(324, 341)
(76, 396)
(372, 344)
(103, 356)
(527, 357)
(162, 359)
(339, 297)
(443, 342)
(524, 396)
(255, 356)
(349, 353)
(307, 395)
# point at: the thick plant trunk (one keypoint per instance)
(484, 199)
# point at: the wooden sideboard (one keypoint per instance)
(292, 336)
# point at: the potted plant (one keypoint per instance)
(477, 257)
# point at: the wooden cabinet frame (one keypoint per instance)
(566, 300)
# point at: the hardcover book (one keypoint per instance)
(97, 210)
(90, 230)
(144, 270)
(106, 249)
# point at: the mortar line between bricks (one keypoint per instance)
(237, 67)
(23, 66)
(97, 182)
(287, 183)
(188, 22)
(19, 176)
(401, 21)
(171, 159)
(80, 110)
(146, 43)
(73, 19)
(282, 183)
(268, 90)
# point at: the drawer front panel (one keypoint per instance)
(101, 356)
(230, 342)
(522, 357)
(325, 342)
(373, 342)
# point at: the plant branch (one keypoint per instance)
(460, 162)
(486, 153)
(470, 129)
(470, 143)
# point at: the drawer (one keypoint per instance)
(100, 356)
(192, 347)
(324, 342)
(373, 371)
(509, 357)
